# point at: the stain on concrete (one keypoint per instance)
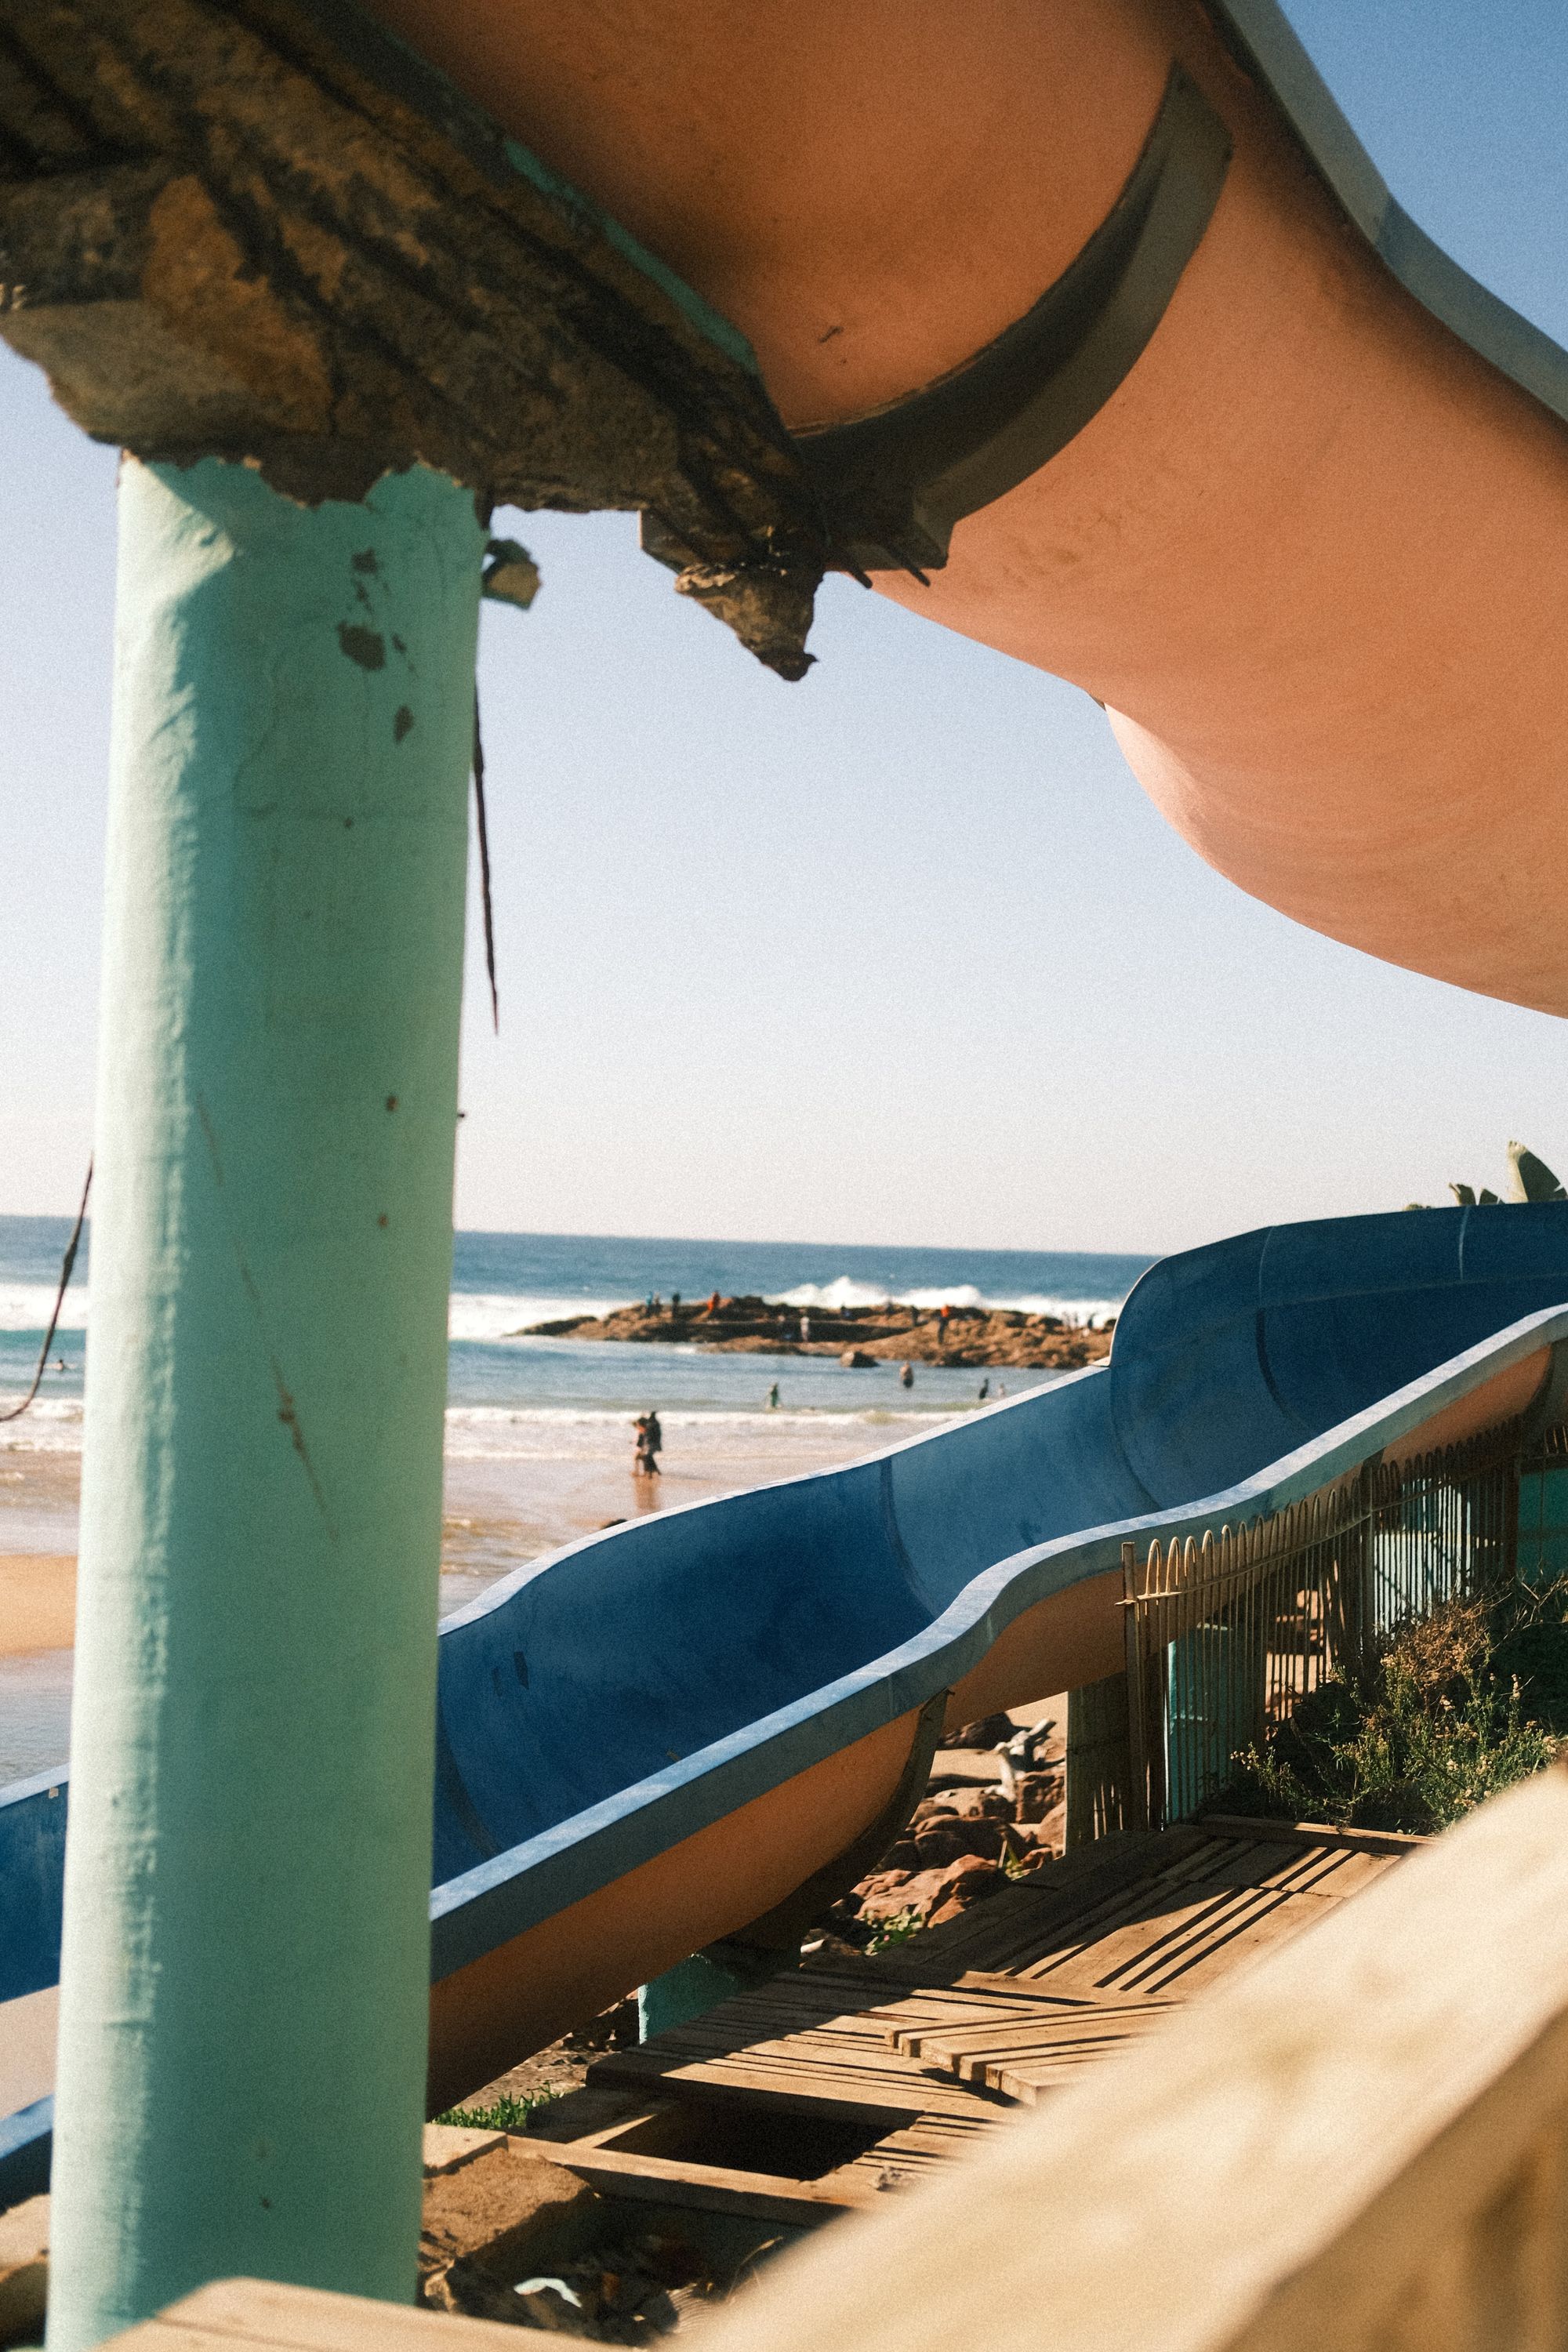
(366, 646)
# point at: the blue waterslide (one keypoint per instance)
(606, 1703)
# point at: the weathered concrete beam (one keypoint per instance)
(264, 232)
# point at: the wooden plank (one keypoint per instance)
(1245, 1941)
(1158, 1915)
(958, 2047)
(1030, 2073)
(1027, 1913)
(922, 2027)
(815, 2087)
(1061, 1927)
(916, 2151)
(1391, 1842)
(449, 2147)
(709, 2188)
(1339, 1870)
(1026, 1989)
(1182, 1947)
(263, 2312)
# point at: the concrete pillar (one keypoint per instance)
(244, 1982)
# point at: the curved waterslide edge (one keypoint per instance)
(949, 449)
(1269, 49)
(1260, 39)
(496, 1900)
(1259, 36)
(529, 1884)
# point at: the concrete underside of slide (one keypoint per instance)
(650, 1740)
(1310, 553)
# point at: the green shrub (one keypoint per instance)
(1452, 1708)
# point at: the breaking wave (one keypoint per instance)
(831, 1298)
(559, 1433)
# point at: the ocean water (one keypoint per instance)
(530, 1397)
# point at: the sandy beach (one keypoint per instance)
(38, 1601)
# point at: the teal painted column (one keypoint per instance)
(244, 1980)
(691, 1987)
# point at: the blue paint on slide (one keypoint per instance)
(620, 1694)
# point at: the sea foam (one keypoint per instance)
(833, 1297)
(563, 1433)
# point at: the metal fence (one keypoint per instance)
(1226, 1633)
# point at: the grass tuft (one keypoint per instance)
(896, 1930)
(508, 2114)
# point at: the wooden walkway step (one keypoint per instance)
(930, 2043)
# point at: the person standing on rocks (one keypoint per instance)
(804, 1330)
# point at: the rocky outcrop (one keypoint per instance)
(965, 1841)
(973, 1337)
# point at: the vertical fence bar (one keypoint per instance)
(1138, 1727)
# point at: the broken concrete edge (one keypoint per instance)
(510, 575)
(225, 234)
(400, 71)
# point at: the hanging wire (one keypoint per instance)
(484, 862)
(67, 1263)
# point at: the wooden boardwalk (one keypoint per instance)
(848, 2076)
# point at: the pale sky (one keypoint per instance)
(900, 954)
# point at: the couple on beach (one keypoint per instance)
(649, 1438)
